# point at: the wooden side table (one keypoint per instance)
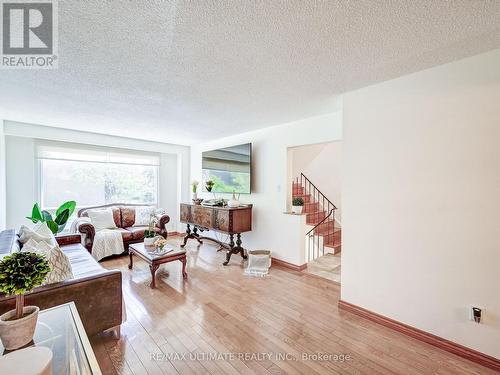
(154, 261)
(233, 221)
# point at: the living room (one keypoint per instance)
(228, 188)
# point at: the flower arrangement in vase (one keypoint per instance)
(194, 187)
(150, 234)
(160, 243)
(209, 185)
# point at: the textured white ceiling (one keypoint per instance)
(183, 71)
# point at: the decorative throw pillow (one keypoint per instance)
(40, 232)
(60, 266)
(143, 215)
(102, 219)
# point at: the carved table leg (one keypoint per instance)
(229, 251)
(238, 246)
(196, 235)
(131, 264)
(184, 273)
(153, 269)
(187, 236)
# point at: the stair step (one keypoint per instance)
(314, 218)
(327, 226)
(333, 238)
(311, 207)
(298, 191)
(326, 231)
(336, 249)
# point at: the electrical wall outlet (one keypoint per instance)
(476, 314)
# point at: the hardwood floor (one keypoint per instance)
(327, 267)
(219, 312)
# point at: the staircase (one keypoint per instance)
(326, 234)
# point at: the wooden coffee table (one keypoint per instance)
(154, 261)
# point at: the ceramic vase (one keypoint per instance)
(233, 202)
(149, 241)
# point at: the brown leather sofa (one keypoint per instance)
(124, 217)
(96, 291)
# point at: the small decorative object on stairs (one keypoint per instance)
(20, 273)
(297, 205)
(259, 262)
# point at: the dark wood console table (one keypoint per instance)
(232, 221)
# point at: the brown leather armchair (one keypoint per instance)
(124, 217)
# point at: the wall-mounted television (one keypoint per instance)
(229, 168)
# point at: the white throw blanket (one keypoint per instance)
(107, 242)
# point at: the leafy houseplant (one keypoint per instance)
(297, 205)
(57, 224)
(20, 273)
(209, 185)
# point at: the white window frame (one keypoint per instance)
(39, 174)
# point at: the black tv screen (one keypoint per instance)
(229, 168)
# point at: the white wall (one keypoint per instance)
(272, 229)
(170, 188)
(421, 200)
(21, 168)
(3, 202)
(322, 164)
(21, 180)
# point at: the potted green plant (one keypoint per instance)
(297, 205)
(194, 186)
(57, 224)
(209, 185)
(150, 234)
(20, 273)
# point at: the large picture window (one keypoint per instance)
(96, 176)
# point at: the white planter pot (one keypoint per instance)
(19, 332)
(32, 360)
(149, 241)
(297, 209)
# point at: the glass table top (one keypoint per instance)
(60, 329)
